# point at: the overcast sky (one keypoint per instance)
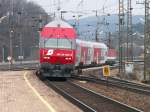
(86, 7)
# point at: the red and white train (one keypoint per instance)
(90, 53)
(111, 57)
(61, 51)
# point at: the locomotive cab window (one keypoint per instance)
(61, 43)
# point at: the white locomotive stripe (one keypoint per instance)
(50, 108)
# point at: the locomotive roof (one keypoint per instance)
(59, 23)
(58, 29)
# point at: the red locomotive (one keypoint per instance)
(61, 52)
(57, 49)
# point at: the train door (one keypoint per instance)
(103, 55)
(78, 54)
(97, 55)
(106, 53)
(89, 55)
(84, 51)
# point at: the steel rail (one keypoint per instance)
(142, 86)
(89, 100)
(128, 86)
(72, 99)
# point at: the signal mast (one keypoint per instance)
(121, 29)
(147, 41)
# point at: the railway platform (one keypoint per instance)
(21, 91)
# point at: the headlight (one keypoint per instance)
(67, 58)
(46, 57)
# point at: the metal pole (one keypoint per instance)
(128, 33)
(147, 41)
(11, 47)
(11, 28)
(119, 42)
(121, 28)
(78, 24)
(109, 40)
(31, 51)
(97, 27)
(145, 27)
(21, 50)
(129, 30)
(20, 36)
(61, 15)
(3, 52)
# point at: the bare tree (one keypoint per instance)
(23, 19)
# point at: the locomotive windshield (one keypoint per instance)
(60, 43)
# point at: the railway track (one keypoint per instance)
(134, 87)
(88, 100)
(18, 67)
(129, 83)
